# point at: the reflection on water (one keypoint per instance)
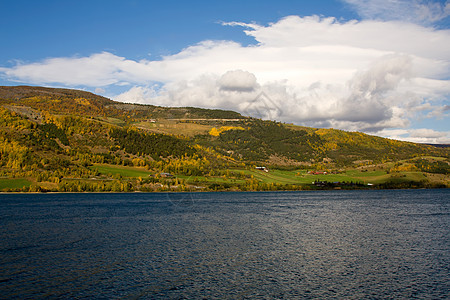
(338, 244)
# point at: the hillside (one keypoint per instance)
(70, 140)
(66, 101)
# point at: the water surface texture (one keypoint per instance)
(280, 245)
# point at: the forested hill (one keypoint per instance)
(71, 140)
(76, 102)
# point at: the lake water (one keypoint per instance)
(269, 245)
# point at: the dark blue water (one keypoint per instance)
(285, 245)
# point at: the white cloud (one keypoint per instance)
(238, 80)
(302, 50)
(99, 69)
(99, 91)
(415, 11)
(137, 94)
(422, 135)
(357, 75)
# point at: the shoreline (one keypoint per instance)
(223, 191)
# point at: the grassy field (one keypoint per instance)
(206, 179)
(302, 177)
(113, 121)
(297, 177)
(121, 170)
(174, 127)
(14, 183)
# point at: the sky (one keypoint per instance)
(377, 66)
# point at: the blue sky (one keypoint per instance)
(378, 66)
(137, 27)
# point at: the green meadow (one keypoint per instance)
(297, 177)
(14, 183)
(123, 171)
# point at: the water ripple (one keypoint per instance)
(308, 245)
